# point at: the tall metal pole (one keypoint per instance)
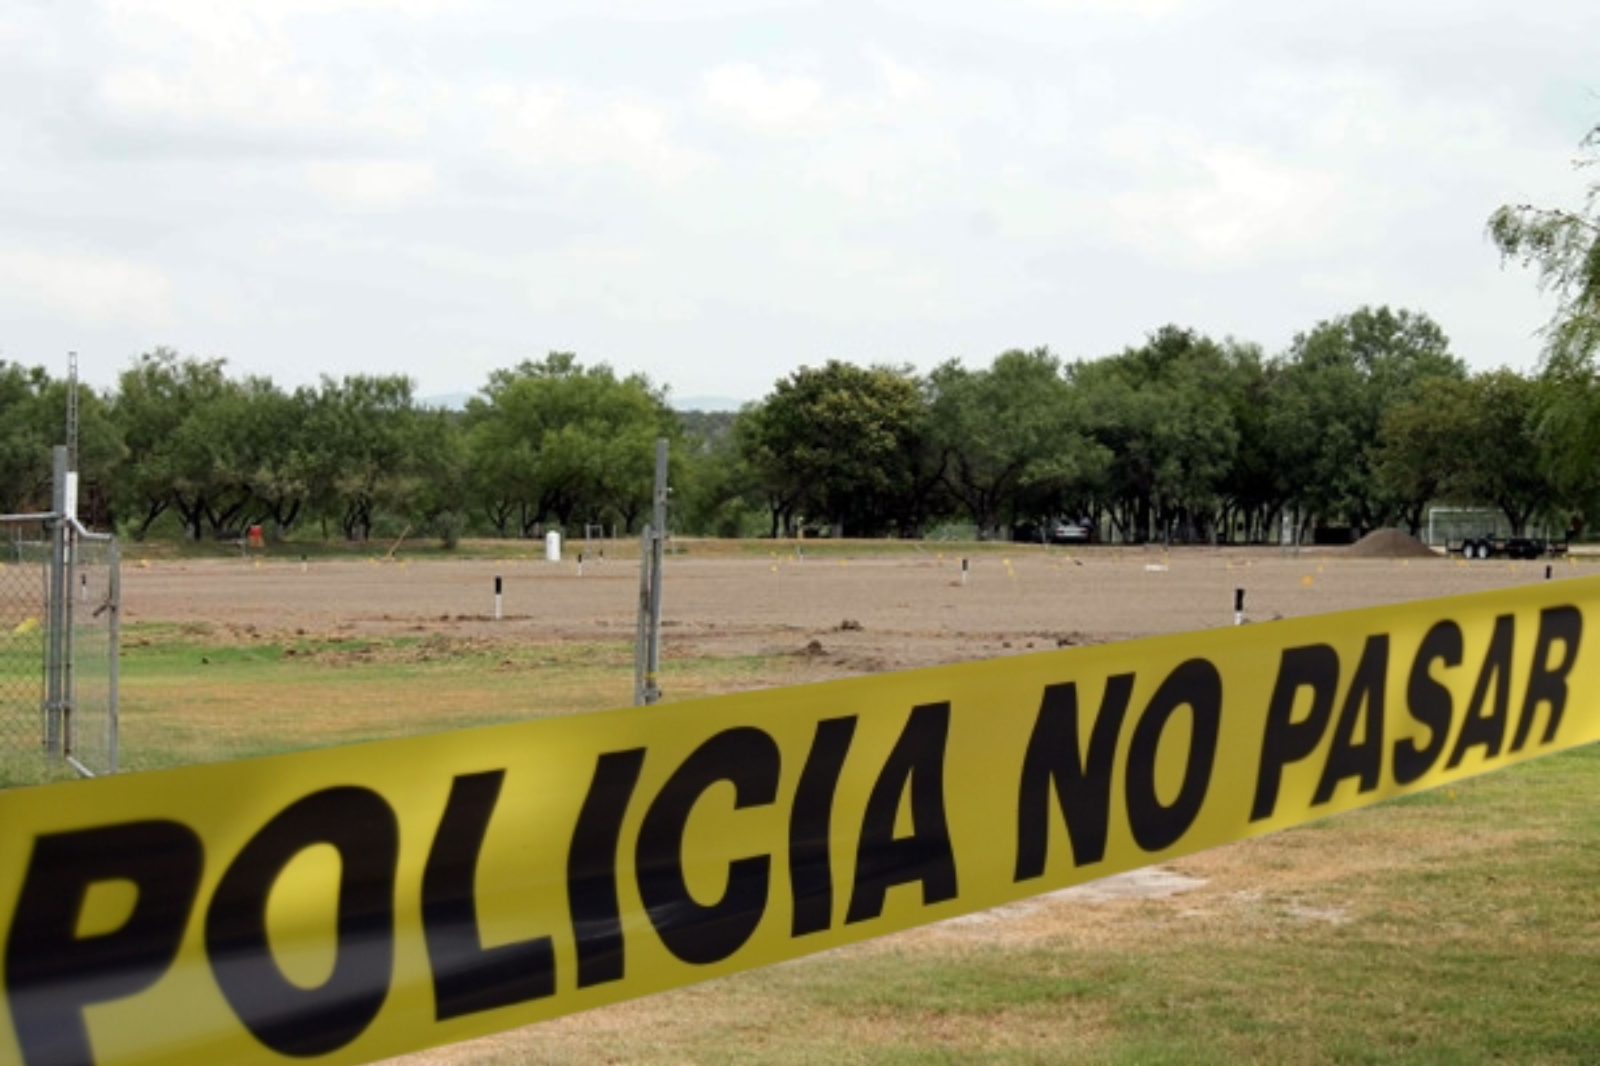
(647, 657)
(72, 411)
(659, 521)
(59, 594)
(641, 633)
(114, 636)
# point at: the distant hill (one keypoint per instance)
(457, 401)
(706, 429)
(705, 403)
(449, 401)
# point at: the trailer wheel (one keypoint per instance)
(1477, 549)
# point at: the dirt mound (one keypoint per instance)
(1390, 544)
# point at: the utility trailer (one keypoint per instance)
(1492, 546)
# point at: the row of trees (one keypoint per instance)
(180, 442)
(1364, 421)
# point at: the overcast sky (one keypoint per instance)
(717, 193)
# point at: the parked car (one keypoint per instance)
(1070, 533)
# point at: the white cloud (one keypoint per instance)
(1096, 82)
(252, 96)
(544, 127)
(146, 25)
(243, 24)
(98, 289)
(247, 69)
(525, 107)
(255, 98)
(748, 94)
(372, 184)
(1217, 203)
(888, 139)
(1142, 10)
(903, 83)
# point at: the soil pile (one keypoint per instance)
(1390, 544)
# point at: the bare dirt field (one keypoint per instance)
(847, 614)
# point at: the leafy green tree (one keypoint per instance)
(838, 442)
(1011, 439)
(924, 496)
(222, 453)
(210, 490)
(25, 462)
(100, 453)
(1424, 441)
(703, 431)
(618, 436)
(719, 493)
(166, 408)
(33, 408)
(1340, 377)
(1569, 435)
(1253, 487)
(1497, 461)
(1318, 424)
(239, 450)
(554, 441)
(266, 448)
(431, 490)
(1564, 248)
(1162, 411)
(360, 449)
(764, 475)
(503, 471)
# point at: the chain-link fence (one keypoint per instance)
(90, 711)
(59, 605)
(24, 629)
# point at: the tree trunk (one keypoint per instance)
(153, 511)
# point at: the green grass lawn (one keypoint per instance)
(188, 698)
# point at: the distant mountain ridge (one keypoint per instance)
(457, 401)
(449, 401)
(705, 403)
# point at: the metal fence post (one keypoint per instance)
(647, 650)
(113, 607)
(60, 590)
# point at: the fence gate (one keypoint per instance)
(60, 593)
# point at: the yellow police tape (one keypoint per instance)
(355, 903)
